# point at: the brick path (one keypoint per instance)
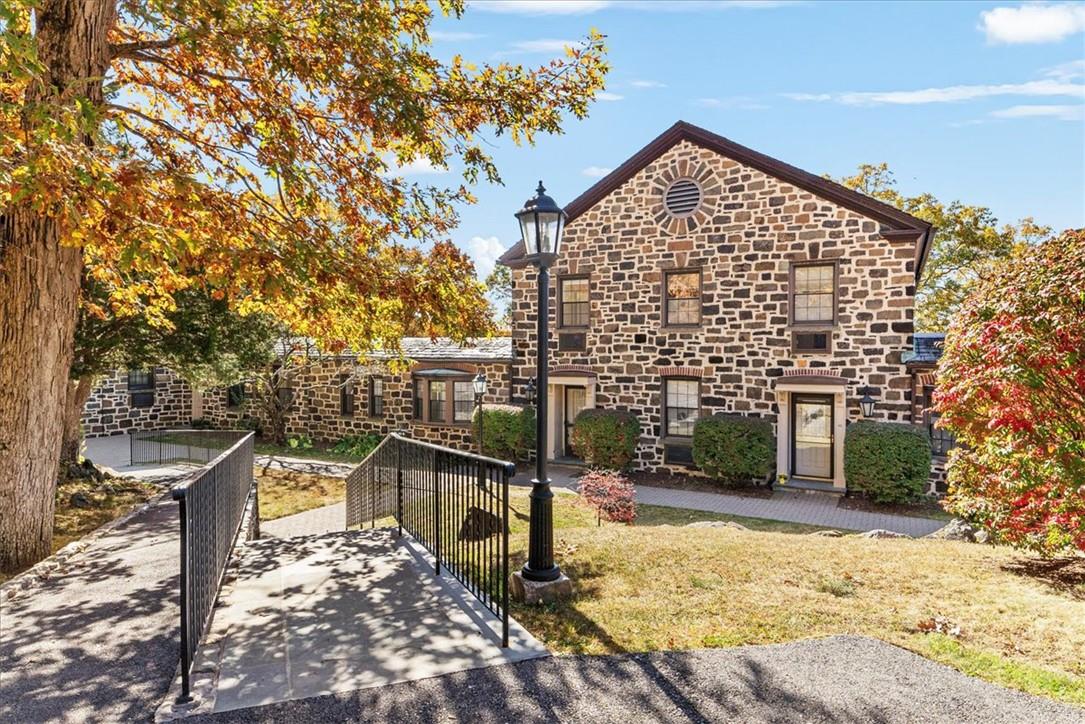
(792, 507)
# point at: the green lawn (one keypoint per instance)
(312, 453)
(652, 515)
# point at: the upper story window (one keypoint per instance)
(681, 406)
(813, 294)
(376, 397)
(346, 395)
(682, 298)
(573, 302)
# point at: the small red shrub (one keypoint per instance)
(611, 494)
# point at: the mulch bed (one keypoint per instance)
(922, 509)
(700, 485)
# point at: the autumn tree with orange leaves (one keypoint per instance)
(247, 149)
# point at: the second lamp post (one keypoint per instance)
(541, 223)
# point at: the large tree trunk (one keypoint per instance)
(39, 296)
(72, 439)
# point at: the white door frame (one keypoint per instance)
(555, 401)
(784, 390)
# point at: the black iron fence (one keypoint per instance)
(455, 504)
(163, 447)
(211, 503)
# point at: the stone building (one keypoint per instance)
(127, 400)
(428, 394)
(701, 276)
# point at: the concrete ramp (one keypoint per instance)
(342, 611)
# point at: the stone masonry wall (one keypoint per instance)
(750, 228)
(109, 408)
(315, 410)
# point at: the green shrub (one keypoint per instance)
(358, 446)
(508, 431)
(605, 438)
(201, 423)
(890, 462)
(300, 442)
(733, 449)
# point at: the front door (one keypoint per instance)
(574, 400)
(812, 436)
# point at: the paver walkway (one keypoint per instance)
(833, 680)
(787, 506)
(98, 642)
(350, 610)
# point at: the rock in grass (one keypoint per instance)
(79, 500)
(828, 533)
(956, 529)
(717, 524)
(883, 533)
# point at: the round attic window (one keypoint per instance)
(682, 197)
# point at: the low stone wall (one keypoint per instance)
(109, 408)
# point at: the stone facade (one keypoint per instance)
(750, 230)
(110, 409)
(316, 409)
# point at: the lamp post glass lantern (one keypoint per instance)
(866, 402)
(542, 223)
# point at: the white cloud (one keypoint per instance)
(738, 103)
(485, 251)
(417, 167)
(596, 171)
(1061, 113)
(451, 36)
(648, 84)
(540, 7)
(543, 45)
(1033, 22)
(949, 94)
(1072, 70)
(608, 96)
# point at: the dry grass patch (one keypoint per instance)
(286, 492)
(665, 587)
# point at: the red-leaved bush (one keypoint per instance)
(1011, 386)
(611, 494)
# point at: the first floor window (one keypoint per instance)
(681, 406)
(376, 397)
(235, 395)
(942, 440)
(346, 395)
(437, 397)
(418, 399)
(464, 400)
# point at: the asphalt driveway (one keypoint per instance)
(837, 679)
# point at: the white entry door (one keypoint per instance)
(812, 436)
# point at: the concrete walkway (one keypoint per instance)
(114, 452)
(811, 509)
(836, 680)
(351, 610)
(329, 519)
(98, 640)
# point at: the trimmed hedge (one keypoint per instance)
(605, 438)
(508, 431)
(890, 462)
(733, 449)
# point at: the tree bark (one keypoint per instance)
(39, 295)
(72, 440)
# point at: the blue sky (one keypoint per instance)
(980, 102)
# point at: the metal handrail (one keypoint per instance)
(211, 506)
(454, 504)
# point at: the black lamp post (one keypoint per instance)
(479, 383)
(541, 223)
(866, 402)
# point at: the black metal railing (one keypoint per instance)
(163, 447)
(455, 504)
(211, 504)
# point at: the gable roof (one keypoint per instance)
(900, 224)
